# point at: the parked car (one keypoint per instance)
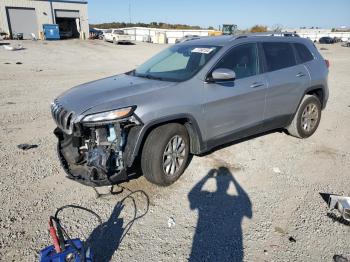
(117, 36)
(66, 34)
(186, 38)
(348, 43)
(95, 34)
(189, 99)
(326, 40)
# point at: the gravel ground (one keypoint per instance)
(271, 212)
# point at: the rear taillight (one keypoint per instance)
(327, 63)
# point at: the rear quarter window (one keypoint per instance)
(303, 52)
(278, 55)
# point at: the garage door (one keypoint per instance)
(67, 14)
(22, 20)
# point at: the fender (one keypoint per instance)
(138, 135)
(308, 90)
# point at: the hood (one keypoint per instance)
(116, 91)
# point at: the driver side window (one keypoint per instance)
(242, 59)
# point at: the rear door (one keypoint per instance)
(286, 80)
(233, 107)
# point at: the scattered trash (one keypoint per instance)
(276, 170)
(171, 222)
(340, 258)
(7, 63)
(13, 48)
(33, 36)
(323, 48)
(265, 252)
(292, 239)
(338, 219)
(19, 63)
(341, 203)
(26, 147)
(10, 103)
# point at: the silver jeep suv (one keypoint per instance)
(186, 100)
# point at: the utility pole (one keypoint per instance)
(129, 12)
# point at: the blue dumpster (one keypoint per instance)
(51, 31)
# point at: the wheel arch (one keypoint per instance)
(137, 138)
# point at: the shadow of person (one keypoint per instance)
(218, 235)
(105, 239)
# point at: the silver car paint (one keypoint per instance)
(218, 109)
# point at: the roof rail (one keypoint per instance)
(282, 34)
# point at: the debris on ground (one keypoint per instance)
(292, 239)
(19, 63)
(10, 103)
(340, 203)
(13, 48)
(276, 170)
(171, 222)
(323, 48)
(340, 258)
(26, 147)
(7, 63)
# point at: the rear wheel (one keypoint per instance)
(165, 154)
(307, 118)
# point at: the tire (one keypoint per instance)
(157, 151)
(307, 117)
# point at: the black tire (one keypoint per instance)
(153, 154)
(298, 127)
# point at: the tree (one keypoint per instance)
(277, 28)
(258, 29)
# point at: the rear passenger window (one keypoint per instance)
(278, 56)
(242, 59)
(303, 53)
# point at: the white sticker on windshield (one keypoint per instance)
(203, 50)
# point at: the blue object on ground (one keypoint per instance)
(49, 254)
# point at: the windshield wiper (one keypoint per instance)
(150, 76)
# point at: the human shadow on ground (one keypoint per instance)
(107, 237)
(218, 235)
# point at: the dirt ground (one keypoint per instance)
(272, 210)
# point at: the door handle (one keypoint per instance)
(300, 74)
(256, 84)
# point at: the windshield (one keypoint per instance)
(177, 63)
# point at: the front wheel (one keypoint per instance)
(165, 154)
(307, 118)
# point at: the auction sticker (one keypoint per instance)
(203, 50)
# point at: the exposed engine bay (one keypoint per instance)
(94, 154)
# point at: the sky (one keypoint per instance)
(244, 13)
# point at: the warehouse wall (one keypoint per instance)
(43, 12)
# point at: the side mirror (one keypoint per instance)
(223, 74)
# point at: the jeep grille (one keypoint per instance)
(63, 117)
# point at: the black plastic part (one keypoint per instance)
(84, 174)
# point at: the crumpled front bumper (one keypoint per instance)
(84, 174)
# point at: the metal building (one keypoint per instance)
(28, 16)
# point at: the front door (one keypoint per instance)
(236, 107)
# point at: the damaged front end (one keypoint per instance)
(92, 150)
